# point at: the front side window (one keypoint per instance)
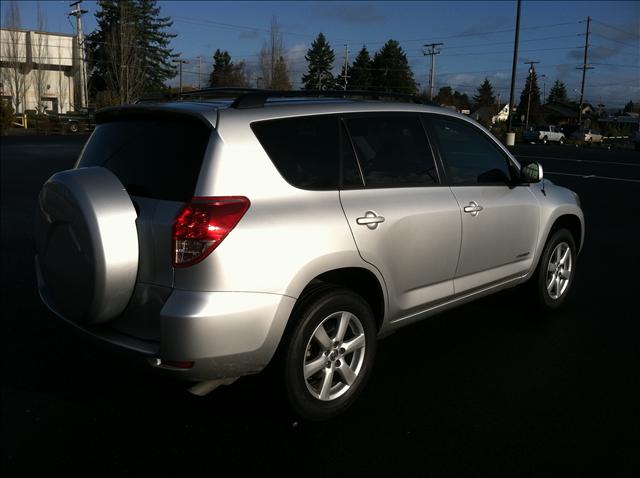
(470, 156)
(392, 151)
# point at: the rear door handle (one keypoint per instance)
(473, 208)
(370, 219)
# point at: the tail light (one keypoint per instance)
(202, 225)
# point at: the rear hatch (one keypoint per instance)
(157, 156)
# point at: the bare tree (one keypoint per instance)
(14, 56)
(39, 60)
(272, 50)
(124, 72)
(280, 79)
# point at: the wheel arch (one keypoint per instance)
(572, 223)
(360, 280)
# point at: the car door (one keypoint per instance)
(500, 220)
(404, 220)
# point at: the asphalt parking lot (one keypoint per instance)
(492, 388)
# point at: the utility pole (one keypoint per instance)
(199, 71)
(346, 65)
(432, 52)
(180, 63)
(513, 74)
(530, 79)
(84, 88)
(584, 69)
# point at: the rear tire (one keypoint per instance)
(544, 140)
(330, 353)
(552, 281)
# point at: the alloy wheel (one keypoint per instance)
(559, 270)
(334, 356)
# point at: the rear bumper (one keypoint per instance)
(224, 334)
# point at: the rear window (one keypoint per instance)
(305, 150)
(155, 157)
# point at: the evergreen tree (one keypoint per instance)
(558, 93)
(360, 73)
(391, 70)
(129, 51)
(485, 96)
(280, 80)
(154, 40)
(629, 107)
(226, 73)
(533, 103)
(320, 57)
(222, 68)
(447, 96)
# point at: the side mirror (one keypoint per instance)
(531, 173)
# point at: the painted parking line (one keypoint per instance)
(579, 160)
(593, 176)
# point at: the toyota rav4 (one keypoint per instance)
(216, 236)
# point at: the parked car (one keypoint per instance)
(588, 136)
(214, 237)
(544, 134)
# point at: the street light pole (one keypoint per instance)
(513, 68)
(180, 63)
(584, 69)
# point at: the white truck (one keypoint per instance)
(543, 134)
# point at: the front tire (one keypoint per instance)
(330, 353)
(552, 281)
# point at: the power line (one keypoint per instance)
(509, 43)
(614, 40)
(472, 34)
(637, 34)
(616, 65)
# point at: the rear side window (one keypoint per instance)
(392, 151)
(153, 157)
(304, 150)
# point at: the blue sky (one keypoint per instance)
(477, 37)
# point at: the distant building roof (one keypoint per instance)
(561, 109)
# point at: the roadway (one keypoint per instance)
(492, 388)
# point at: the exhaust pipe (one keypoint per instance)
(204, 388)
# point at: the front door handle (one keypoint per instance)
(370, 219)
(473, 208)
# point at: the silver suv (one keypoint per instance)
(215, 237)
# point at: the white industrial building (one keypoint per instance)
(40, 71)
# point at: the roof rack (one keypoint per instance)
(245, 98)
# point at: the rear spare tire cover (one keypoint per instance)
(87, 244)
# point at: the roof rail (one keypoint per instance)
(245, 98)
(224, 91)
(257, 98)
